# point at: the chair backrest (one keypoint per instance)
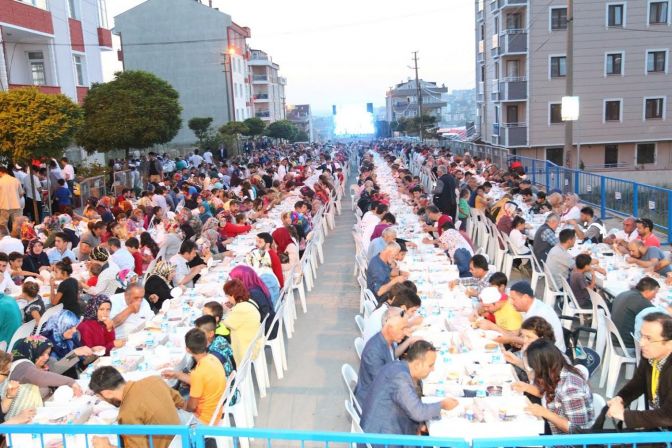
(550, 280)
(362, 282)
(613, 332)
(598, 402)
(277, 320)
(570, 295)
(47, 314)
(350, 379)
(23, 331)
(359, 320)
(359, 346)
(598, 303)
(230, 384)
(356, 427)
(536, 265)
(369, 307)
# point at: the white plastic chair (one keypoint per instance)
(350, 379)
(259, 363)
(23, 331)
(551, 290)
(359, 346)
(362, 287)
(571, 306)
(537, 272)
(355, 427)
(277, 344)
(359, 320)
(236, 411)
(369, 306)
(511, 255)
(47, 314)
(616, 358)
(598, 342)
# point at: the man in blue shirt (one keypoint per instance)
(380, 350)
(60, 250)
(382, 272)
(392, 405)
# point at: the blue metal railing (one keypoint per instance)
(609, 195)
(76, 436)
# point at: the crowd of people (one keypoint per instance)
(114, 264)
(556, 381)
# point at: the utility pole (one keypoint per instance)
(569, 87)
(419, 95)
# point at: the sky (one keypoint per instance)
(351, 51)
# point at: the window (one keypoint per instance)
(654, 108)
(615, 15)
(555, 155)
(37, 70)
(612, 110)
(614, 64)
(514, 21)
(72, 9)
(655, 61)
(512, 114)
(658, 13)
(555, 113)
(558, 66)
(79, 69)
(646, 153)
(558, 19)
(610, 156)
(513, 68)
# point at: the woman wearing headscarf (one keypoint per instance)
(172, 240)
(61, 331)
(107, 279)
(211, 234)
(35, 258)
(286, 241)
(96, 328)
(259, 293)
(159, 284)
(27, 382)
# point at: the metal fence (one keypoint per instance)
(79, 436)
(609, 195)
(92, 187)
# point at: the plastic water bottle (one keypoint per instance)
(480, 392)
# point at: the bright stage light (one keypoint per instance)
(353, 120)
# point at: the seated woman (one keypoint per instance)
(96, 328)
(287, 243)
(159, 284)
(26, 366)
(61, 331)
(149, 250)
(34, 308)
(531, 329)
(566, 393)
(259, 293)
(243, 321)
(68, 290)
(36, 259)
(458, 249)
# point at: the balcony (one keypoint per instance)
(495, 129)
(503, 4)
(513, 134)
(494, 93)
(105, 38)
(26, 16)
(76, 35)
(480, 91)
(260, 78)
(261, 98)
(51, 90)
(263, 114)
(513, 89)
(513, 41)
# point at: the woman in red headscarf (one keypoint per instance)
(286, 240)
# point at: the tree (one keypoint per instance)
(233, 128)
(135, 110)
(200, 126)
(300, 136)
(284, 129)
(255, 126)
(35, 125)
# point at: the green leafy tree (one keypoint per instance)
(200, 126)
(34, 125)
(233, 128)
(135, 110)
(283, 129)
(300, 136)
(255, 126)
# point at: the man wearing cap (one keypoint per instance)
(506, 316)
(524, 302)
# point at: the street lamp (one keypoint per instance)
(570, 112)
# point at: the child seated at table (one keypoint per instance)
(35, 306)
(94, 271)
(216, 310)
(578, 281)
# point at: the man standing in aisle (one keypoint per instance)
(444, 192)
(68, 173)
(10, 197)
(33, 194)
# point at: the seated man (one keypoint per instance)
(648, 257)
(389, 235)
(382, 272)
(645, 231)
(624, 236)
(381, 349)
(184, 275)
(653, 379)
(60, 250)
(627, 305)
(559, 260)
(480, 276)
(149, 401)
(392, 405)
(130, 310)
(589, 228)
(207, 381)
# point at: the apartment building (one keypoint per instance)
(54, 45)
(401, 101)
(268, 88)
(198, 49)
(621, 76)
(302, 118)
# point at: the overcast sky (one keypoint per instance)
(352, 51)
